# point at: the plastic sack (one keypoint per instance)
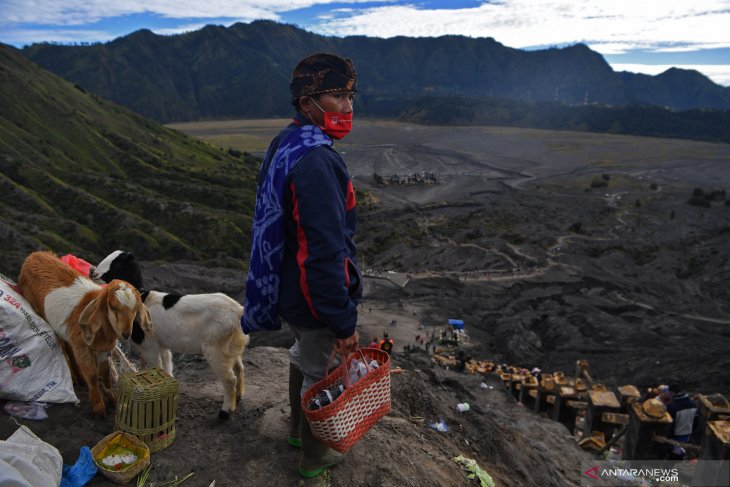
(463, 407)
(78, 474)
(28, 461)
(26, 410)
(32, 365)
(441, 426)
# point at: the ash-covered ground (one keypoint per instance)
(551, 246)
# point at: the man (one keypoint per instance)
(313, 282)
(386, 344)
(683, 411)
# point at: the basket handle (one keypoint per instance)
(346, 373)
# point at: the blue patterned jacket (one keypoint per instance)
(321, 284)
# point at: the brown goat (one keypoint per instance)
(88, 317)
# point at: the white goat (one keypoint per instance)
(207, 324)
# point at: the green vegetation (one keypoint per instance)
(710, 125)
(599, 183)
(80, 174)
(576, 227)
(704, 198)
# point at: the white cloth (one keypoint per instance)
(28, 461)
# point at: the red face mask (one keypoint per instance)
(336, 125)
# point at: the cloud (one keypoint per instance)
(719, 73)
(63, 36)
(620, 24)
(79, 12)
(181, 29)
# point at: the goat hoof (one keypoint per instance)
(224, 415)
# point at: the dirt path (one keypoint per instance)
(373, 320)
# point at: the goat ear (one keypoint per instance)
(91, 319)
(143, 316)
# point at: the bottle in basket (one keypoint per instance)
(326, 396)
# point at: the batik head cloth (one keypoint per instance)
(322, 73)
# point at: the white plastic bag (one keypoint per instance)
(32, 365)
(358, 369)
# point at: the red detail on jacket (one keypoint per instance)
(350, 197)
(347, 274)
(302, 252)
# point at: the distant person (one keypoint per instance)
(461, 360)
(536, 372)
(305, 205)
(375, 343)
(386, 344)
(660, 391)
(683, 411)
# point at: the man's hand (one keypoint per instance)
(343, 346)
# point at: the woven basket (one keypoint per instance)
(112, 442)
(146, 407)
(343, 422)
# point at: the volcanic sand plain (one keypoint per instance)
(545, 265)
(514, 238)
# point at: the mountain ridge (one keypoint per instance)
(241, 71)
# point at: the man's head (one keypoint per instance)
(674, 388)
(666, 392)
(322, 73)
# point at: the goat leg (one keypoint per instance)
(105, 378)
(86, 360)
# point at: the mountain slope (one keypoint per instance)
(80, 174)
(244, 71)
(686, 89)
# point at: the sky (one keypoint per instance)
(643, 36)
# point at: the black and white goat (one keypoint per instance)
(207, 324)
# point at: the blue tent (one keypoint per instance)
(459, 324)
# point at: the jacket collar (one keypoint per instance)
(299, 120)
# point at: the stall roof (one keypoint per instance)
(456, 323)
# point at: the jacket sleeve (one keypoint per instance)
(319, 196)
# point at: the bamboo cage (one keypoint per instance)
(146, 407)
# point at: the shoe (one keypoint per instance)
(294, 441)
(316, 457)
(313, 473)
